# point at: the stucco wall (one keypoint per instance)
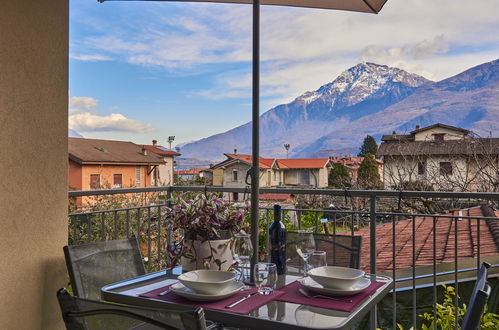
(34, 160)
(428, 135)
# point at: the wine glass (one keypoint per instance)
(243, 250)
(317, 259)
(305, 246)
(265, 277)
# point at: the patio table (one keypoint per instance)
(275, 315)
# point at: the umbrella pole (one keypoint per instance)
(255, 171)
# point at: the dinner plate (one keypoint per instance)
(312, 285)
(190, 294)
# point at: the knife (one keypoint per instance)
(241, 300)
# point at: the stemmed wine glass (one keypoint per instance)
(243, 250)
(305, 246)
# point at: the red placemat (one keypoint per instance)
(292, 295)
(245, 307)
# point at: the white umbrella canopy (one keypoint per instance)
(366, 6)
(363, 6)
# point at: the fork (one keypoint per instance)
(308, 295)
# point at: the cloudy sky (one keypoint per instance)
(147, 70)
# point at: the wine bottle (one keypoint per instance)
(278, 235)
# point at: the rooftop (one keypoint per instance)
(467, 238)
(95, 151)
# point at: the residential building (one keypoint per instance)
(162, 175)
(440, 157)
(96, 164)
(194, 174)
(273, 172)
(302, 172)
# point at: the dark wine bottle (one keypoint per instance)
(278, 235)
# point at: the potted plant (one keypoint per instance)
(208, 223)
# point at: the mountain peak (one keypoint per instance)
(362, 81)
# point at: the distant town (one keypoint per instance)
(436, 157)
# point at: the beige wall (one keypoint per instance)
(34, 160)
(427, 135)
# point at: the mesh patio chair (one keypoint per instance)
(83, 314)
(341, 250)
(478, 300)
(91, 266)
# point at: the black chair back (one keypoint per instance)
(478, 300)
(91, 266)
(83, 314)
(341, 250)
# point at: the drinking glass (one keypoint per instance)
(317, 259)
(265, 276)
(305, 246)
(243, 250)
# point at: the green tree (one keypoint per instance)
(368, 175)
(369, 146)
(338, 177)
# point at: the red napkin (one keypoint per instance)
(244, 307)
(292, 295)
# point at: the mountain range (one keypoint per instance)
(366, 99)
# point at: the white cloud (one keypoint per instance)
(84, 117)
(89, 57)
(301, 49)
(84, 102)
(87, 122)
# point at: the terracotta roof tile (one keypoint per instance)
(160, 150)
(467, 238)
(302, 163)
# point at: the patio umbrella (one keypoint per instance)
(366, 6)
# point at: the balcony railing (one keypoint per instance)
(421, 239)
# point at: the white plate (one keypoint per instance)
(312, 285)
(190, 294)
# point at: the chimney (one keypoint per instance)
(144, 151)
(417, 126)
(235, 151)
(154, 142)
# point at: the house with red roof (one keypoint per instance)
(273, 172)
(162, 175)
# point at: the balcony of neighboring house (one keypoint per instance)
(421, 239)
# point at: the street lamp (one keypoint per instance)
(170, 140)
(286, 146)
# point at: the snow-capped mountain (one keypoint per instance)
(361, 90)
(366, 99)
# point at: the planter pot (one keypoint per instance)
(209, 254)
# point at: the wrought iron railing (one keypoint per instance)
(378, 215)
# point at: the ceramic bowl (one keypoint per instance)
(334, 277)
(207, 281)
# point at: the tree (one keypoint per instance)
(338, 177)
(369, 146)
(368, 175)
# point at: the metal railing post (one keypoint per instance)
(372, 226)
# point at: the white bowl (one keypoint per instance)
(207, 281)
(334, 277)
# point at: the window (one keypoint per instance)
(275, 175)
(445, 168)
(234, 175)
(94, 181)
(235, 196)
(118, 180)
(421, 168)
(138, 177)
(439, 137)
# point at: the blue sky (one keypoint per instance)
(147, 70)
